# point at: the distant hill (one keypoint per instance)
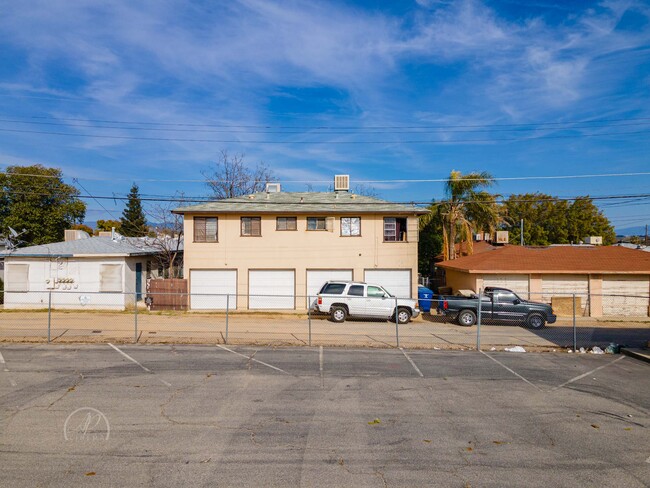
(631, 231)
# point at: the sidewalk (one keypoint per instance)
(427, 331)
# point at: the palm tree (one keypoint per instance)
(466, 209)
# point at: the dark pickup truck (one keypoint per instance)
(497, 305)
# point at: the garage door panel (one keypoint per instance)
(271, 289)
(626, 296)
(516, 283)
(213, 289)
(396, 282)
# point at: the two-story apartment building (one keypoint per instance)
(274, 249)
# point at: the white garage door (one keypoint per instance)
(316, 278)
(565, 286)
(209, 288)
(516, 283)
(626, 295)
(396, 282)
(271, 289)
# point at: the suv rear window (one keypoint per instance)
(333, 288)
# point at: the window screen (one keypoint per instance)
(205, 229)
(17, 277)
(251, 226)
(286, 223)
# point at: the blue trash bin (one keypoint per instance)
(425, 296)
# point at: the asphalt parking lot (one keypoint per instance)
(172, 415)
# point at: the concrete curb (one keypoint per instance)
(640, 354)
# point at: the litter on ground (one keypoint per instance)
(515, 349)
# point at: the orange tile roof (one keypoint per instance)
(554, 259)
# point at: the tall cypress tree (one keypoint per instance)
(133, 221)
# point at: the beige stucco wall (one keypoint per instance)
(459, 280)
(299, 250)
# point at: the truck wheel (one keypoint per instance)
(338, 314)
(536, 321)
(466, 318)
(403, 316)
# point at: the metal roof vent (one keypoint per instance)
(341, 182)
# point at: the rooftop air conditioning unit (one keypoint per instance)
(502, 237)
(273, 188)
(594, 240)
(478, 237)
(341, 182)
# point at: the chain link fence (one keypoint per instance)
(63, 316)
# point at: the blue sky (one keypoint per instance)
(392, 93)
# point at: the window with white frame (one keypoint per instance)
(350, 226)
(394, 229)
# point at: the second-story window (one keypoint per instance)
(350, 226)
(205, 229)
(394, 229)
(286, 223)
(251, 226)
(316, 223)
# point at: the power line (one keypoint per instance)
(393, 180)
(326, 130)
(325, 127)
(179, 139)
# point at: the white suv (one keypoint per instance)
(343, 299)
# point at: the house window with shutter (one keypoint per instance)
(206, 229)
(316, 223)
(110, 278)
(350, 226)
(251, 226)
(394, 229)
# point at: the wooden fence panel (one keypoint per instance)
(168, 294)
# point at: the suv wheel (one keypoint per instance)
(338, 314)
(466, 318)
(403, 316)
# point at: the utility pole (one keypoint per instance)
(521, 232)
(645, 240)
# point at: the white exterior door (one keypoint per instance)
(209, 289)
(516, 283)
(626, 295)
(271, 289)
(396, 282)
(317, 277)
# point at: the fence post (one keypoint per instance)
(49, 316)
(135, 314)
(396, 322)
(478, 322)
(575, 339)
(227, 313)
(309, 317)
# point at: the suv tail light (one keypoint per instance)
(320, 300)
(445, 304)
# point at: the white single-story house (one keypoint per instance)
(90, 272)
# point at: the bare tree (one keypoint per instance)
(231, 177)
(366, 191)
(169, 236)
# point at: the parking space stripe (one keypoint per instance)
(417, 370)
(136, 362)
(252, 359)
(320, 359)
(2, 361)
(513, 372)
(572, 380)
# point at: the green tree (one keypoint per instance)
(548, 220)
(466, 209)
(133, 222)
(430, 241)
(36, 199)
(107, 225)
